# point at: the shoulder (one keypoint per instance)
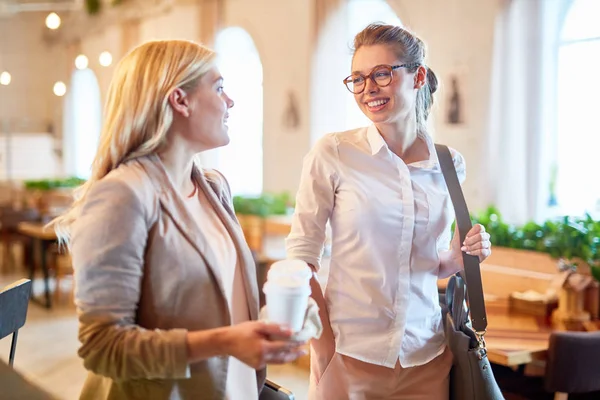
(459, 164)
(219, 183)
(457, 157)
(127, 186)
(330, 143)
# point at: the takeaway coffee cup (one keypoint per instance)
(287, 291)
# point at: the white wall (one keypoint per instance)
(282, 34)
(91, 46)
(180, 22)
(459, 34)
(33, 156)
(34, 65)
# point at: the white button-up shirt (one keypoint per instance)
(389, 222)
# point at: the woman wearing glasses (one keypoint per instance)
(383, 192)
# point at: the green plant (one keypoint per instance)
(93, 7)
(263, 205)
(567, 238)
(49, 184)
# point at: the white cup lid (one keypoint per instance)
(293, 269)
(286, 287)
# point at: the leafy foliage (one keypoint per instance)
(264, 205)
(49, 184)
(93, 7)
(568, 238)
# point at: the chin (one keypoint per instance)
(377, 118)
(224, 141)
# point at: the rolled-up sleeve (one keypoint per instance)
(314, 202)
(459, 164)
(108, 245)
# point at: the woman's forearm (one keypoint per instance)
(317, 295)
(448, 265)
(202, 345)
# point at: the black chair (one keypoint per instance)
(573, 364)
(272, 391)
(14, 301)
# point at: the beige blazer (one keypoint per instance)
(145, 276)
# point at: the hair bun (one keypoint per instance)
(432, 81)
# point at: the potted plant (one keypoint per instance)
(42, 193)
(251, 212)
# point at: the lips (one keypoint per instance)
(375, 105)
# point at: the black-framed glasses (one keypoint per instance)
(381, 75)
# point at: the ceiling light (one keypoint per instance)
(105, 59)
(5, 78)
(60, 89)
(53, 21)
(81, 62)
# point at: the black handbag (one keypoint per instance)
(471, 377)
(272, 391)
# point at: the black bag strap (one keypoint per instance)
(472, 272)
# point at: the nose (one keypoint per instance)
(228, 101)
(371, 86)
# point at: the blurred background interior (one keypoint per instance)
(518, 98)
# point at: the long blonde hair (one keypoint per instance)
(137, 112)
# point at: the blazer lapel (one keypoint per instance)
(173, 204)
(220, 202)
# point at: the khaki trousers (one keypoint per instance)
(346, 378)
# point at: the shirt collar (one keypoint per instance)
(432, 162)
(376, 143)
(375, 140)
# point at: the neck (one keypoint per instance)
(400, 135)
(178, 159)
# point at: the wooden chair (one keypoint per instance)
(9, 221)
(62, 265)
(573, 364)
(14, 301)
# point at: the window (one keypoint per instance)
(241, 161)
(333, 108)
(82, 123)
(578, 133)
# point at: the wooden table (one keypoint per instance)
(44, 237)
(515, 339)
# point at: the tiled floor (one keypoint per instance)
(47, 353)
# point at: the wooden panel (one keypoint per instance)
(523, 260)
(501, 281)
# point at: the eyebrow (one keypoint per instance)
(219, 78)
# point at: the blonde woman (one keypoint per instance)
(166, 285)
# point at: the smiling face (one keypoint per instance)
(393, 102)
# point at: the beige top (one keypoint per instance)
(241, 378)
(145, 275)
